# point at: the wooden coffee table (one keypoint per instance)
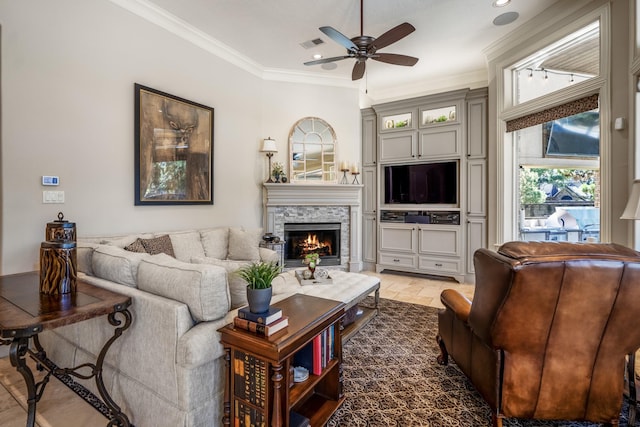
(24, 313)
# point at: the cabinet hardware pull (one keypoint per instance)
(438, 265)
(396, 260)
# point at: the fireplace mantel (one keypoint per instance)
(279, 196)
(312, 194)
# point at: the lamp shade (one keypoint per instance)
(269, 146)
(632, 211)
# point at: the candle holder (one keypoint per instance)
(355, 177)
(344, 176)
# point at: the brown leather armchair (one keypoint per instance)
(548, 330)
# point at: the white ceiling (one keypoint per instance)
(449, 39)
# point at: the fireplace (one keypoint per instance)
(322, 238)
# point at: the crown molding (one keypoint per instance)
(473, 80)
(171, 23)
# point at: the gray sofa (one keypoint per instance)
(167, 368)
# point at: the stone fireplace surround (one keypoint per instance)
(298, 203)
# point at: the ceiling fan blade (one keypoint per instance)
(358, 70)
(392, 58)
(325, 60)
(339, 38)
(393, 35)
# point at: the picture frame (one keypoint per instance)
(173, 149)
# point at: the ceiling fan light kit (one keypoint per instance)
(364, 47)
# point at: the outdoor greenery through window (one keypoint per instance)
(559, 179)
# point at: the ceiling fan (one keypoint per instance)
(364, 47)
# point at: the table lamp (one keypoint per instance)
(269, 147)
(632, 210)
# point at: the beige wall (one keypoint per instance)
(68, 70)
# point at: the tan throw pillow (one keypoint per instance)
(243, 244)
(237, 285)
(158, 245)
(215, 242)
(136, 246)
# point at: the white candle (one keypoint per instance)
(344, 166)
(354, 168)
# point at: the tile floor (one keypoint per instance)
(59, 407)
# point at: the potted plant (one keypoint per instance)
(277, 171)
(311, 260)
(259, 276)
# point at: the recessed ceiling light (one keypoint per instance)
(506, 18)
(317, 56)
(500, 3)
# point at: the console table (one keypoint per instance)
(260, 388)
(25, 312)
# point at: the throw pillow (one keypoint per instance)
(203, 288)
(136, 246)
(117, 265)
(186, 245)
(158, 245)
(243, 244)
(215, 242)
(237, 285)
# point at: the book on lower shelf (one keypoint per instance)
(261, 329)
(264, 318)
(298, 420)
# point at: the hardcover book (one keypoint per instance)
(259, 328)
(264, 318)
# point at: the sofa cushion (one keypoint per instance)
(237, 285)
(187, 245)
(158, 245)
(203, 288)
(84, 254)
(116, 264)
(243, 244)
(215, 242)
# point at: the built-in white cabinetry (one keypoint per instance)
(437, 239)
(476, 235)
(370, 190)
(369, 137)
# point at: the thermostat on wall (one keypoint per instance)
(50, 180)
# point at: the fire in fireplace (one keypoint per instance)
(306, 238)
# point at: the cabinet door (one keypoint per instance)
(477, 128)
(476, 239)
(439, 240)
(398, 146)
(397, 237)
(476, 187)
(369, 199)
(369, 234)
(440, 142)
(369, 135)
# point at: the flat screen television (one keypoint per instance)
(423, 183)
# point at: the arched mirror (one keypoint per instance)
(312, 150)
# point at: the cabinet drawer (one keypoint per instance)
(443, 265)
(397, 259)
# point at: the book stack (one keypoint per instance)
(316, 355)
(263, 324)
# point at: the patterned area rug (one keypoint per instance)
(391, 377)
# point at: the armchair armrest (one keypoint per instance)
(457, 303)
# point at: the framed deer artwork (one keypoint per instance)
(173, 149)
